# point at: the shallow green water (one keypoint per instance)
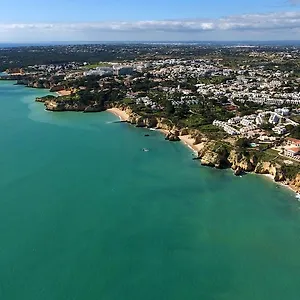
(86, 214)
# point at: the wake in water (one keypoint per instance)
(112, 122)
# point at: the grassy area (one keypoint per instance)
(296, 118)
(291, 171)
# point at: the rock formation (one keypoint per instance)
(173, 136)
(274, 169)
(238, 160)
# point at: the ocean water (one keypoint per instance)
(86, 214)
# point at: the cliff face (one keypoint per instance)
(149, 122)
(295, 184)
(53, 105)
(37, 83)
(239, 161)
(274, 169)
(213, 155)
(173, 136)
(212, 159)
(45, 98)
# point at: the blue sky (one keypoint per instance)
(71, 20)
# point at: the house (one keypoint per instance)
(293, 142)
(292, 151)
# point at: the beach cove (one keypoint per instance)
(86, 214)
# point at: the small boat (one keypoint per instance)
(145, 149)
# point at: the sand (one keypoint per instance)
(64, 93)
(189, 141)
(120, 113)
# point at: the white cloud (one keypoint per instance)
(254, 23)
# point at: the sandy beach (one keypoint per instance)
(120, 113)
(64, 93)
(189, 141)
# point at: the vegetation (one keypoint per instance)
(291, 171)
(242, 143)
(295, 132)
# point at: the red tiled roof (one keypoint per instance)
(293, 140)
(294, 149)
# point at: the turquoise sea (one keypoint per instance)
(86, 214)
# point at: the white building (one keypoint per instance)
(274, 119)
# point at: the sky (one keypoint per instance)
(149, 20)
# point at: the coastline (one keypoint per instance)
(123, 116)
(188, 141)
(287, 186)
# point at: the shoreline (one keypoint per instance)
(270, 177)
(188, 141)
(123, 116)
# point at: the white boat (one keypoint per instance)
(145, 149)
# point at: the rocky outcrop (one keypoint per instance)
(214, 154)
(238, 171)
(274, 169)
(184, 131)
(93, 108)
(136, 120)
(45, 98)
(53, 105)
(295, 183)
(173, 136)
(241, 161)
(211, 159)
(149, 122)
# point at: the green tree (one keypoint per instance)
(170, 109)
(242, 143)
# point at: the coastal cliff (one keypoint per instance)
(53, 105)
(295, 183)
(217, 155)
(239, 160)
(171, 132)
(270, 168)
(214, 153)
(37, 83)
